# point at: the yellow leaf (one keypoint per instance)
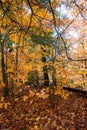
(5, 106)
(54, 123)
(37, 118)
(16, 99)
(2, 99)
(31, 101)
(14, 37)
(1, 105)
(35, 127)
(25, 98)
(20, 90)
(31, 94)
(3, 85)
(8, 103)
(84, 72)
(45, 96)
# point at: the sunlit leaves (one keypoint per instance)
(3, 0)
(42, 94)
(14, 37)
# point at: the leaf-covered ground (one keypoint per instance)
(30, 109)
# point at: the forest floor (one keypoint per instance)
(30, 109)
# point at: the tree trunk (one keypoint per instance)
(45, 69)
(46, 77)
(4, 73)
(53, 77)
(16, 58)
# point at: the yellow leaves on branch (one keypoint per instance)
(42, 13)
(83, 72)
(14, 37)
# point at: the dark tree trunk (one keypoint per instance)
(4, 73)
(45, 71)
(53, 77)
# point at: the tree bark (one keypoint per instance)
(46, 77)
(4, 73)
(16, 58)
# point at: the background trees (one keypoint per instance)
(43, 37)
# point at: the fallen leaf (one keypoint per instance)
(16, 99)
(35, 127)
(25, 98)
(1, 105)
(8, 103)
(2, 99)
(54, 123)
(20, 90)
(5, 106)
(31, 101)
(31, 93)
(37, 118)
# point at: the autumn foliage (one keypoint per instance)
(43, 48)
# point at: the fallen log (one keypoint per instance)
(76, 90)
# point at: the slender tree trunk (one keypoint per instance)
(52, 95)
(6, 67)
(16, 58)
(53, 77)
(16, 64)
(53, 84)
(45, 69)
(46, 77)
(4, 73)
